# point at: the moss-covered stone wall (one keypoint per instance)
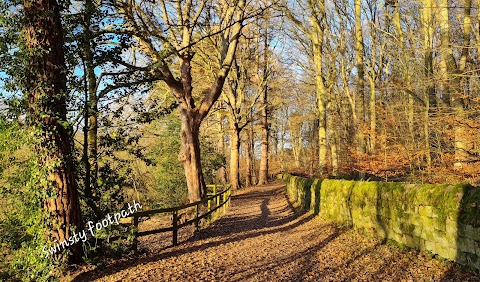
(441, 219)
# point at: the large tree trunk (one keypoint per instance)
(190, 155)
(46, 86)
(234, 157)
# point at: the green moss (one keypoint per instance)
(426, 216)
(469, 212)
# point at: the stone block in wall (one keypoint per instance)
(446, 241)
(430, 223)
(425, 211)
(412, 241)
(387, 233)
(466, 245)
(443, 219)
(473, 260)
(469, 231)
(431, 246)
(446, 252)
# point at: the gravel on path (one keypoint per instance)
(264, 238)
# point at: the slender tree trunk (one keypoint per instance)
(250, 157)
(430, 97)
(372, 78)
(450, 79)
(263, 175)
(282, 143)
(221, 148)
(373, 116)
(234, 157)
(321, 92)
(406, 75)
(91, 184)
(297, 146)
(314, 147)
(322, 112)
(463, 144)
(333, 134)
(46, 86)
(360, 79)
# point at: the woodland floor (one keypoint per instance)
(263, 238)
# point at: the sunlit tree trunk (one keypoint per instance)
(406, 73)
(222, 172)
(250, 157)
(321, 99)
(430, 98)
(463, 144)
(451, 92)
(263, 173)
(360, 78)
(234, 156)
(333, 134)
(47, 91)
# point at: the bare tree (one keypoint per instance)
(166, 33)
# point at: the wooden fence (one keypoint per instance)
(213, 202)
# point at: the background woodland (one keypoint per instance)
(107, 101)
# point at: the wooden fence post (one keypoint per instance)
(175, 227)
(224, 196)
(135, 238)
(229, 196)
(209, 217)
(196, 217)
(217, 198)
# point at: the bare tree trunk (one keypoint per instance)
(250, 157)
(333, 134)
(450, 78)
(263, 174)
(91, 177)
(234, 157)
(321, 92)
(221, 148)
(46, 86)
(430, 97)
(360, 79)
(314, 146)
(190, 155)
(463, 144)
(406, 75)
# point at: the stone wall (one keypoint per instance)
(441, 219)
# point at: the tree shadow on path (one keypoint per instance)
(255, 212)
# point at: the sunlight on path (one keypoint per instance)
(262, 238)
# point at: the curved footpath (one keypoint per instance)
(263, 238)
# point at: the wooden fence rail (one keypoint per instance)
(213, 201)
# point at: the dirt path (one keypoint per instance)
(263, 239)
